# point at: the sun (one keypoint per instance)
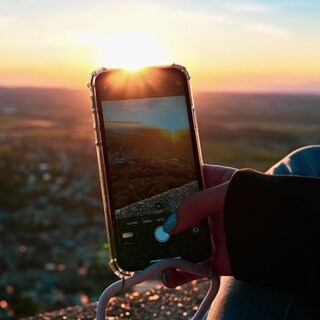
(132, 51)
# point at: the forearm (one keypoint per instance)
(272, 226)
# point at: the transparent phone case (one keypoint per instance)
(101, 161)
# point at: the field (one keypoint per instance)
(242, 130)
(255, 130)
(50, 195)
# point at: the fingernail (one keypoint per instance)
(164, 278)
(170, 223)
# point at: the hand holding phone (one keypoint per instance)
(208, 203)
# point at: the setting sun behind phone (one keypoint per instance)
(132, 51)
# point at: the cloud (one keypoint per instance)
(249, 7)
(267, 29)
(192, 16)
(204, 18)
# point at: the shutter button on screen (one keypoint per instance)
(160, 235)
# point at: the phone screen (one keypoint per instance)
(152, 164)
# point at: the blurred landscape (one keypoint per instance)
(53, 243)
(255, 130)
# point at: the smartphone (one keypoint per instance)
(149, 160)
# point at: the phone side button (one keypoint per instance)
(160, 235)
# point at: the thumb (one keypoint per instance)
(195, 208)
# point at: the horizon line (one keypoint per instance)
(195, 91)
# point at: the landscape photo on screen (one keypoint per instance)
(150, 155)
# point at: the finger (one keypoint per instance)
(215, 175)
(195, 208)
(172, 278)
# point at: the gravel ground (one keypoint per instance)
(158, 303)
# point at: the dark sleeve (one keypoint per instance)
(272, 226)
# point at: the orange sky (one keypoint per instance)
(226, 46)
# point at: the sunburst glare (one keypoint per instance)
(131, 51)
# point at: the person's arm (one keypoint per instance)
(266, 228)
(272, 228)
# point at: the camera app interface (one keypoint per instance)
(151, 169)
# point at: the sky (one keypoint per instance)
(226, 45)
